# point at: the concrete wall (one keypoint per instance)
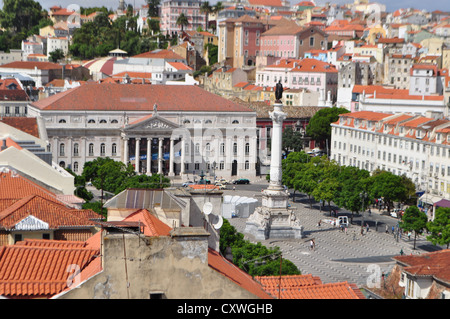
(176, 266)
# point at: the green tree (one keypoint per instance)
(328, 184)
(352, 182)
(291, 140)
(388, 186)
(20, 15)
(206, 8)
(413, 220)
(291, 165)
(144, 181)
(308, 177)
(182, 21)
(56, 55)
(319, 127)
(107, 174)
(153, 10)
(255, 259)
(440, 227)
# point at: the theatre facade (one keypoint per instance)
(171, 130)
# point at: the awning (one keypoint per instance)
(429, 199)
(442, 203)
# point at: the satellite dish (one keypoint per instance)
(207, 208)
(219, 223)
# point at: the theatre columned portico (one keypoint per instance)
(149, 145)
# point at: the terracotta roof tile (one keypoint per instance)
(39, 270)
(15, 187)
(152, 225)
(231, 271)
(434, 264)
(55, 214)
(25, 124)
(122, 97)
(31, 65)
(159, 54)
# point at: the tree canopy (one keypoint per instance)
(319, 127)
(255, 259)
(414, 220)
(440, 227)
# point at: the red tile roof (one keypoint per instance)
(38, 269)
(31, 65)
(435, 264)
(232, 272)
(25, 124)
(159, 54)
(308, 287)
(123, 97)
(55, 214)
(153, 227)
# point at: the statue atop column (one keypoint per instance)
(278, 92)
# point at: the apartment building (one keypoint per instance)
(404, 144)
(171, 10)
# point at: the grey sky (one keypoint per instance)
(391, 5)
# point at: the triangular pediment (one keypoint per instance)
(31, 223)
(151, 123)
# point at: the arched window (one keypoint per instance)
(234, 148)
(208, 148)
(75, 149)
(61, 149)
(114, 149)
(62, 164)
(222, 148)
(91, 121)
(208, 121)
(114, 121)
(102, 149)
(62, 121)
(235, 122)
(247, 165)
(75, 166)
(91, 149)
(103, 121)
(186, 122)
(247, 148)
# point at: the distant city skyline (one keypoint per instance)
(391, 6)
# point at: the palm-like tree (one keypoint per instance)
(182, 21)
(218, 7)
(206, 8)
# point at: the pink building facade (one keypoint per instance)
(171, 10)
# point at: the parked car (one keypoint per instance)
(221, 186)
(241, 181)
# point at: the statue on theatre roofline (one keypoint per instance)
(278, 92)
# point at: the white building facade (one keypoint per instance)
(173, 130)
(414, 145)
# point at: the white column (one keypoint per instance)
(137, 156)
(125, 150)
(183, 155)
(172, 155)
(277, 117)
(160, 155)
(149, 156)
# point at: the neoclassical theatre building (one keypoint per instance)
(170, 129)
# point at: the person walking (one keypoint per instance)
(367, 227)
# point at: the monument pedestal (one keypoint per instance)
(275, 219)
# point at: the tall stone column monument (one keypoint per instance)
(275, 219)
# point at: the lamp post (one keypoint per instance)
(214, 170)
